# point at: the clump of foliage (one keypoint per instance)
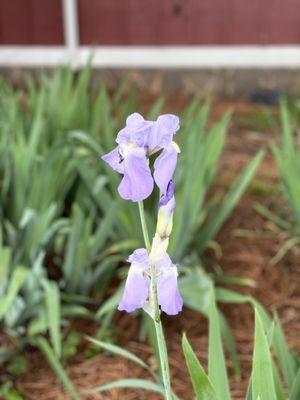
(285, 218)
(64, 230)
(265, 382)
(275, 369)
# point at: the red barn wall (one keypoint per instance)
(154, 22)
(31, 22)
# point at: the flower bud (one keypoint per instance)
(158, 248)
(165, 212)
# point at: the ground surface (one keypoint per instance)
(246, 255)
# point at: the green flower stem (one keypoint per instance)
(162, 348)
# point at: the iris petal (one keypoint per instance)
(169, 297)
(137, 130)
(163, 130)
(113, 159)
(137, 183)
(164, 167)
(167, 125)
(134, 120)
(136, 289)
(140, 256)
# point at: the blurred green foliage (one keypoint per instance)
(284, 217)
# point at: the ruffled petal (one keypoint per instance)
(164, 167)
(137, 183)
(123, 137)
(136, 289)
(137, 130)
(140, 256)
(134, 120)
(114, 160)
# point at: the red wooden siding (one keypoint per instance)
(154, 22)
(190, 22)
(31, 22)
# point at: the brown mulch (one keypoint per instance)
(277, 288)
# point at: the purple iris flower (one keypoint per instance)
(137, 285)
(136, 142)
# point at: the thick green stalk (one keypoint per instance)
(162, 348)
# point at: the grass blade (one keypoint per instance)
(295, 391)
(52, 298)
(262, 374)
(202, 386)
(216, 361)
(230, 344)
(131, 383)
(56, 366)
(286, 360)
(118, 351)
(216, 220)
(15, 285)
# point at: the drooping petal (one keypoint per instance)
(114, 160)
(137, 183)
(163, 131)
(164, 167)
(169, 297)
(136, 289)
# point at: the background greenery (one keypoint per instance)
(64, 231)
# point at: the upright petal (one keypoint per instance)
(134, 120)
(137, 130)
(140, 136)
(123, 137)
(163, 131)
(137, 183)
(164, 167)
(167, 126)
(136, 289)
(114, 159)
(169, 297)
(140, 256)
